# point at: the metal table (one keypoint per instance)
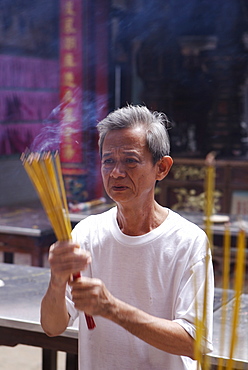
(241, 349)
(75, 217)
(235, 222)
(21, 291)
(25, 229)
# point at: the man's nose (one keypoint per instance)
(118, 170)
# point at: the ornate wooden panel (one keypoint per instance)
(183, 188)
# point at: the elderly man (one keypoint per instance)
(143, 267)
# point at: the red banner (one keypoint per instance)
(71, 72)
(101, 74)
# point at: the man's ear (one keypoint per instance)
(164, 166)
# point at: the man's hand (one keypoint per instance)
(91, 296)
(66, 259)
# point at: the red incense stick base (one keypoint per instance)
(90, 322)
(89, 319)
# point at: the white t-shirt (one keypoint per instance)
(162, 273)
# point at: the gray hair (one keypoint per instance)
(156, 125)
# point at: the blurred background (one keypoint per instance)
(65, 64)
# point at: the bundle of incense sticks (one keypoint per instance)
(225, 287)
(44, 170)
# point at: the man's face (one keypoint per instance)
(127, 168)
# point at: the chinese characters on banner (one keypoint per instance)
(71, 72)
(83, 93)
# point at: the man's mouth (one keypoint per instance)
(118, 188)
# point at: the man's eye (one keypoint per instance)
(108, 161)
(131, 160)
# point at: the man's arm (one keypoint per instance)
(65, 259)
(163, 334)
(54, 314)
(92, 297)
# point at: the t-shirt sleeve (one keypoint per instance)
(195, 301)
(78, 236)
(73, 312)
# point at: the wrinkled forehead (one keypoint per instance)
(128, 138)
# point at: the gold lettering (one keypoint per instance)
(68, 26)
(69, 8)
(70, 42)
(68, 79)
(69, 60)
(69, 151)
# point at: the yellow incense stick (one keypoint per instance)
(200, 343)
(209, 200)
(239, 278)
(225, 286)
(205, 360)
(200, 322)
(62, 188)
